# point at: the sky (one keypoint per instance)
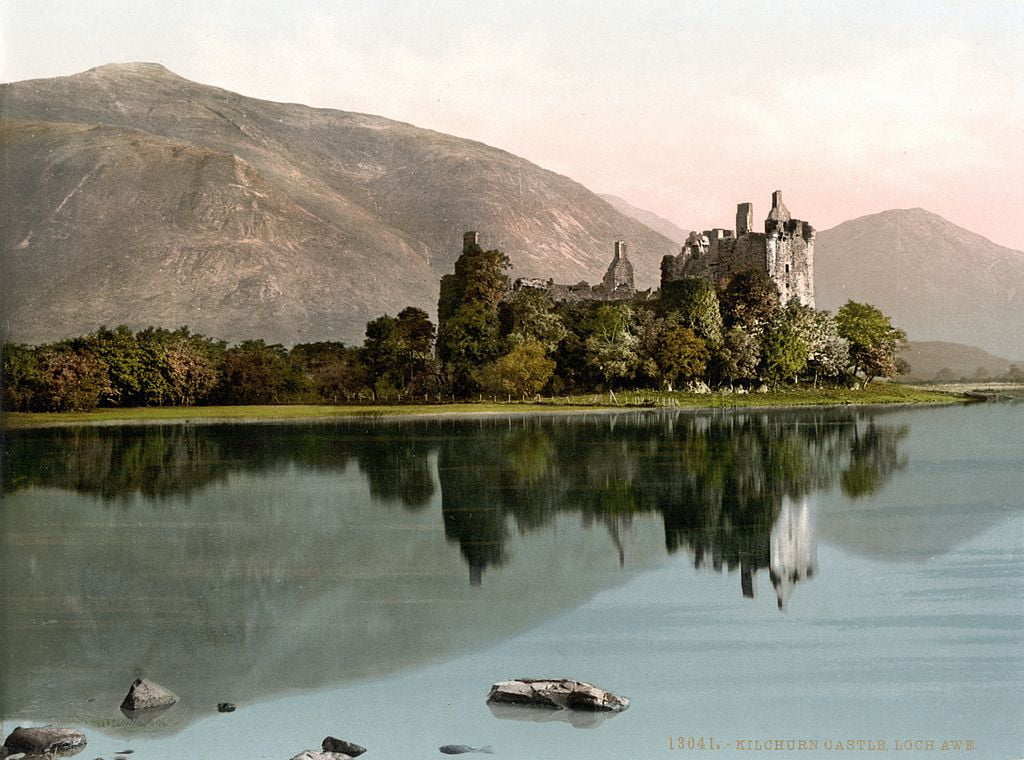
(681, 107)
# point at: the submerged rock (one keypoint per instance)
(312, 754)
(146, 695)
(462, 749)
(556, 694)
(43, 740)
(330, 744)
(225, 707)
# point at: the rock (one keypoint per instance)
(145, 695)
(462, 749)
(330, 744)
(556, 694)
(225, 707)
(312, 754)
(43, 740)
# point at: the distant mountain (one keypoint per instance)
(928, 358)
(132, 195)
(936, 280)
(659, 224)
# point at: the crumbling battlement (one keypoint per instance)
(617, 284)
(784, 251)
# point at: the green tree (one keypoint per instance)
(469, 328)
(693, 303)
(872, 339)
(681, 355)
(523, 371)
(256, 373)
(784, 350)
(22, 378)
(530, 314)
(611, 345)
(739, 356)
(72, 379)
(749, 300)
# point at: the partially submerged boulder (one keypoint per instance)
(556, 694)
(330, 744)
(312, 754)
(43, 740)
(146, 695)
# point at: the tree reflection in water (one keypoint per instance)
(732, 488)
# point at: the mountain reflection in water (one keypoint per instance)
(241, 560)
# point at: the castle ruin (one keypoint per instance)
(617, 284)
(784, 251)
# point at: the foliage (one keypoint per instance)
(529, 314)
(523, 371)
(468, 323)
(693, 303)
(872, 339)
(749, 300)
(739, 357)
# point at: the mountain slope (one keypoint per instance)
(929, 358)
(659, 224)
(133, 195)
(936, 280)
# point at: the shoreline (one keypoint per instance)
(885, 396)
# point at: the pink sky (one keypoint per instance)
(683, 108)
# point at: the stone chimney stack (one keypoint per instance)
(620, 249)
(469, 239)
(744, 218)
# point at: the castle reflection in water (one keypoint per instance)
(733, 490)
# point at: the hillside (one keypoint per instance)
(659, 224)
(936, 280)
(928, 358)
(132, 195)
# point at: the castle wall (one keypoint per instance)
(784, 252)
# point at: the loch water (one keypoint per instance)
(746, 578)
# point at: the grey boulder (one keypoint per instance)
(312, 754)
(330, 744)
(43, 740)
(146, 695)
(556, 694)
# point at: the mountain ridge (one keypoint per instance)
(393, 198)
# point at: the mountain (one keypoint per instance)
(936, 280)
(928, 358)
(132, 195)
(659, 224)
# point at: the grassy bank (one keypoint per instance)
(877, 393)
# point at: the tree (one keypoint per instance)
(872, 338)
(693, 302)
(468, 323)
(680, 355)
(523, 371)
(739, 356)
(530, 314)
(256, 373)
(784, 350)
(611, 345)
(72, 380)
(21, 379)
(749, 300)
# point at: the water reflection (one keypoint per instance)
(730, 489)
(219, 557)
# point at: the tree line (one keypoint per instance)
(489, 339)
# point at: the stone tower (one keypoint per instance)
(620, 272)
(784, 252)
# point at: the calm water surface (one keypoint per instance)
(819, 575)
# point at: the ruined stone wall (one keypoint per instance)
(784, 251)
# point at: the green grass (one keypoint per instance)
(877, 393)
